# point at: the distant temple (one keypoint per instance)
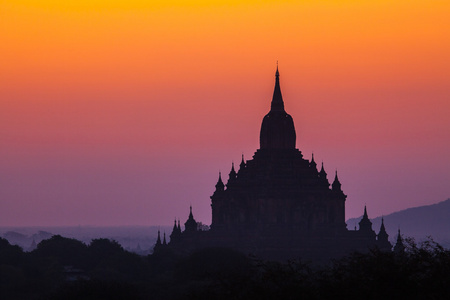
(278, 205)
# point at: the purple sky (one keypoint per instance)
(120, 162)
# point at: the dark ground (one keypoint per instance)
(63, 268)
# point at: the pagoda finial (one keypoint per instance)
(158, 240)
(365, 224)
(219, 185)
(382, 228)
(336, 186)
(336, 179)
(383, 238)
(323, 175)
(313, 164)
(399, 246)
(190, 224)
(277, 100)
(242, 165)
(232, 175)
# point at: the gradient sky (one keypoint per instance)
(123, 112)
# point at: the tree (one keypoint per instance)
(65, 251)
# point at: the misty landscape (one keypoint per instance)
(138, 239)
(419, 223)
(64, 268)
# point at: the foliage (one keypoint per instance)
(62, 268)
(95, 290)
(64, 251)
(10, 254)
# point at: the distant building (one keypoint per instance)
(399, 246)
(33, 246)
(278, 205)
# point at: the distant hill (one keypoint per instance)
(417, 222)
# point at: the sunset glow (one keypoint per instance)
(123, 112)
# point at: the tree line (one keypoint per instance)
(64, 268)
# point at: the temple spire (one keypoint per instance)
(336, 186)
(277, 128)
(220, 187)
(277, 100)
(158, 244)
(399, 246)
(323, 174)
(242, 165)
(313, 164)
(383, 238)
(382, 228)
(232, 174)
(175, 232)
(175, 225)
(365, 225)
(158, 240)
(191, 224)
(322, 170)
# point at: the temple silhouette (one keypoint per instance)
(278, 205)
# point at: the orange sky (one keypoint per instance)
(122, 112)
